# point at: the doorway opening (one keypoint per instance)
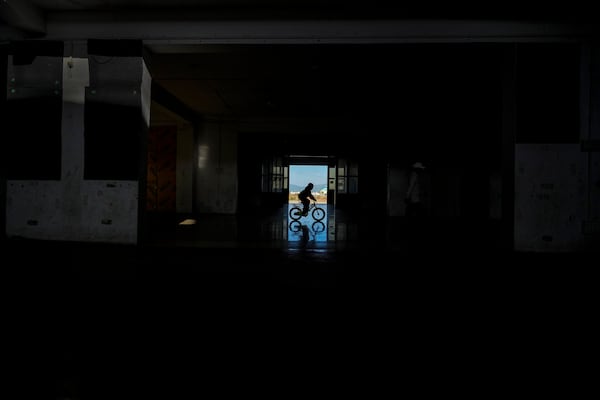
(310, 229)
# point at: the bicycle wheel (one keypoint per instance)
(295, 226)
(295, 213)
(318, 213)
(318, 227)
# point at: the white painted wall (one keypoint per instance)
(550, 197)
(73, 210)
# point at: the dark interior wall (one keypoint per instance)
(114, 125)
(372, 188)
(3, 154)
(34, 111)
(445, 110)
(112, 138)
(253, 150)
(440, 104)
(480, 131)
(548, 93)
(450, 109)
(461, 129)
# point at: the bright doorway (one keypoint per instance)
(307, 231)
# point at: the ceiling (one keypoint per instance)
(40, 17)
(359, 83)
(511, 9)
(294, 81)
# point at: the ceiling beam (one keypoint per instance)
(64, 26)
(23, 15)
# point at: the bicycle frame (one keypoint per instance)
(317, 212)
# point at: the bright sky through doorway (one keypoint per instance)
(302, 174)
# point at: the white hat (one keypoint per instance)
(418, 165)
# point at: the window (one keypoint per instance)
(347, 176)
(275, 178)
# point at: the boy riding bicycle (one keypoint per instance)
(305, 196)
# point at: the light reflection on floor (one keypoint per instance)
(333, 231)
(308, 230)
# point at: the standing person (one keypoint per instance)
(305, 196)
(414, 194)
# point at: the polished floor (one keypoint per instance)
(327, 230)
(331, 231)
(217, 251)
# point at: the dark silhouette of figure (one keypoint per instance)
(305, 196)
(415, 210)
(414, 193)
(305, 235)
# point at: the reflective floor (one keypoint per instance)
(323, 228)
(330, 250)
(225, 251)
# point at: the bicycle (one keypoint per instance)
(317, 212)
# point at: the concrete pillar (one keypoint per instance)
(216, 185)
(33, 137)
(86, 200)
